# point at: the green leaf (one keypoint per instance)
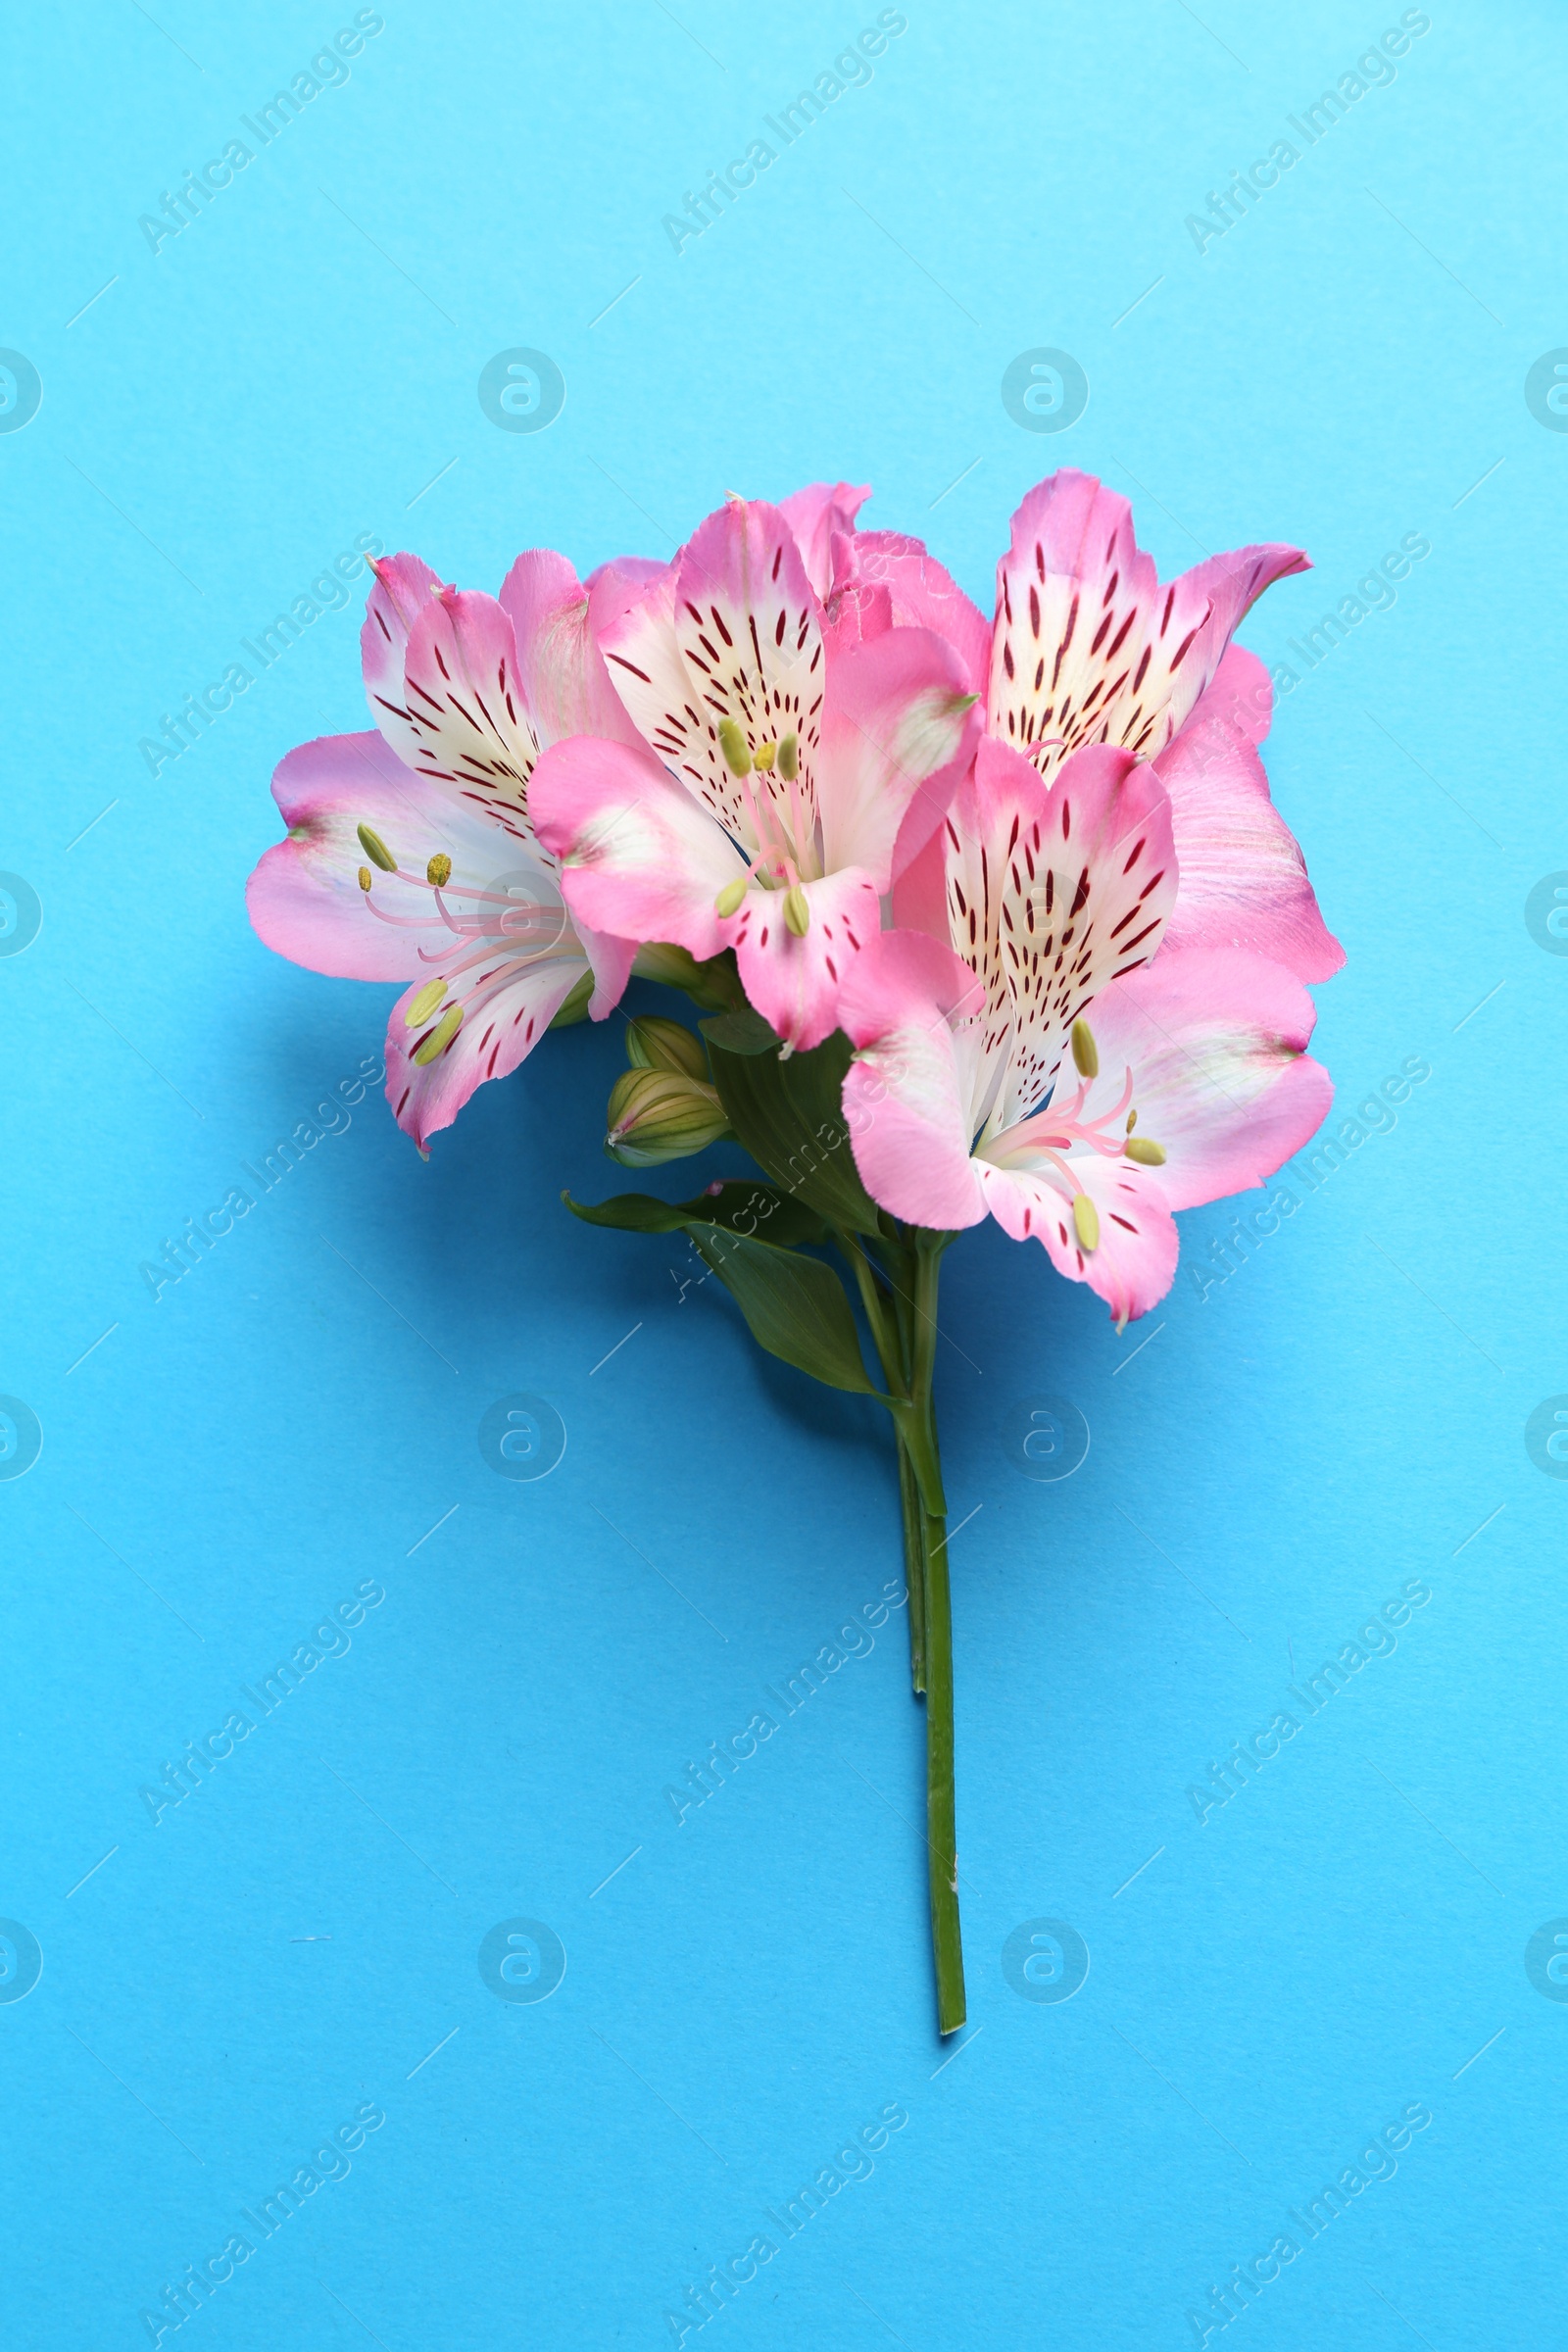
(789, 1116)
(744, 1207)
(796, 1307)
(631, 1212)
(743, 1032)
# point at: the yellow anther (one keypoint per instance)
(730, 896)
(732, 743)
(377, 851)
(441, 1036)
(425, 1003)
(1086, 1220)
(797, 910)
(1147, 1152)
(765, 755)
(789, 757)
(439, 870)
(1085, 1052)
(365, 877)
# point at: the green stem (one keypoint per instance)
(892, 1338)
(913, 1564)
(941, 1807)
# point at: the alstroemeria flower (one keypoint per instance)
(1087, 647)
(762, 810)
(1041, 1068)
(410, 854)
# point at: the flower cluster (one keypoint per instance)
(1029, 869)
(989, 919)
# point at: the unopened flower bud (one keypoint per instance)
(656, 1115)
(653, 1044)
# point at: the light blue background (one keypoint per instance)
(1339, 1417)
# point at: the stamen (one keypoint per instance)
(797, 910)
(365, 877)
(425, 1004)
(1147, 1152)
(1086, 1220)
(1085, 1053)
(377, 851)
(765, 755)
(789, 757)
(439, 870)
(730, 896)
(440, 1037)
(732, 743)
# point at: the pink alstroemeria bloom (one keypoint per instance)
(965, 1098)
(780, 760)
(1087, 647)
(465, 690)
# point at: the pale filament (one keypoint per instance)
(1056, 1129)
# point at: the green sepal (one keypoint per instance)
(789, 1116)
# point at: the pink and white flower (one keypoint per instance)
(781, 766)
(1087, 647)
(411, 853)
(1027, 1058)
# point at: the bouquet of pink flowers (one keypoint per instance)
(983, 918)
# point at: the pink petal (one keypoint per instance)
(816, 516)
(794, 983)
(609, 960)
(502, 1024)
(1243, 878)
(736, 633)
(1088, 646)
(1133, 1263)
(304, 898)
(924, 596)
(1059, 891)
(463, 700)
(404, 586)
(894, 725)
(905, 1098)
(1215, 1039)
(565, 687)
(639, 858)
